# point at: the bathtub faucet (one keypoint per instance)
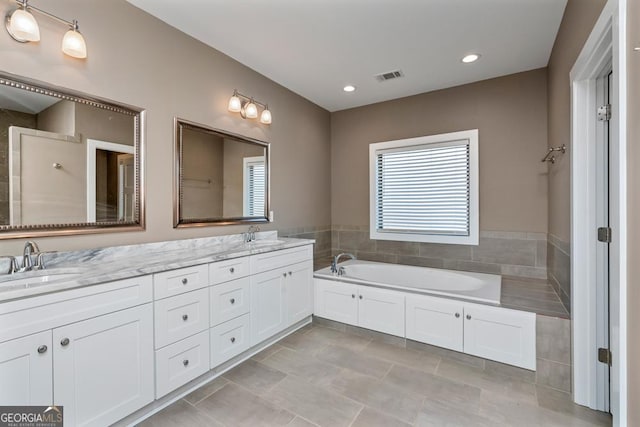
(334, 263)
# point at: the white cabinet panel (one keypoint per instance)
(268, 314)
(500, 334)
(26, 371)
(174, 282)
(230, 300)
(223, 271)
(336, 301)
(436, 321)
(102, 369)
(179, 363)
(299, 291)
(181, 316)
(381, 310)
(230, 339)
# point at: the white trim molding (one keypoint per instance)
(605, 45)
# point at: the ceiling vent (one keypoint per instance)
(389, 75)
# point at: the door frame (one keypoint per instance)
(607, 42)
(92, 146)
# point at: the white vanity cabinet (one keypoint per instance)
(368, 307)
(26, 376)
(101, 366)
(88, 349)
(281, 291)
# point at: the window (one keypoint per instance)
(425, 189)
(253, 188)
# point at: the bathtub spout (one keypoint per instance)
(334, 263)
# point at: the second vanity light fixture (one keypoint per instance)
(248, 107)
(23, 27)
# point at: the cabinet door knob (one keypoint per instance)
(64, 342)
(353, 295)
(457, 315)
(185, 317)
(284, 274)
(468, 317)
(232, 270)
(360, 296)
(185, 281)
(290, 273)
(42, 349)
(185, 362)
(233, 339)
(232, 300)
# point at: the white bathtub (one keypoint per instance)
(454, 284)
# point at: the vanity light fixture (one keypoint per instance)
(349, 88)
(473, 57)
(23, 27)
(248, 107)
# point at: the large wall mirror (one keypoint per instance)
(69, 163)
(221, 178)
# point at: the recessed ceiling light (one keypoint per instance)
(349, 88)
(470, 58)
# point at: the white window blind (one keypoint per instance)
(425, 187)
(254, 187)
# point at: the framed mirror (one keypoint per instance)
(221, 178)
(69, 163)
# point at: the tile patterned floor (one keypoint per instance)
(320, 376)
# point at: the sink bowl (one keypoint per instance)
(265, 242)
(29, 279)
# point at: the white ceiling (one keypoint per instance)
(316, 47)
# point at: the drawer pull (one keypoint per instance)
(185, 281)
(42, 349)
(232, 270)
(185, 317)
(233, 339)
(468, 317)
(64, 342)
(185, 362)
(232, 300)
(457, 315)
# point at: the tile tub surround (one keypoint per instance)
(329, 374)
(103, 265)
(518, 254)
(559, 267)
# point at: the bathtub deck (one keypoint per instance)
(537, 296)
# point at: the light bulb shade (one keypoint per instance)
(235, 105)
(265, 117)
(22, 26)
(73, 44)
(251, 110)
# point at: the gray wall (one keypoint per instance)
(511, 115)
(577, 22)
(142, 62)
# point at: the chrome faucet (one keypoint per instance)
(250, 235)
(13, 264)
(334, 263)
(31, 248)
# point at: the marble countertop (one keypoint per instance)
(71, 270)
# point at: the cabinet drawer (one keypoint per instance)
(179, 281)
(230, 300)
(181, 316)
(223, 271)
(30, 315)
(181, 362)
(229, 339)
(277, 259)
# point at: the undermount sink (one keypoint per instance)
(40, 277)
(265, 242)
